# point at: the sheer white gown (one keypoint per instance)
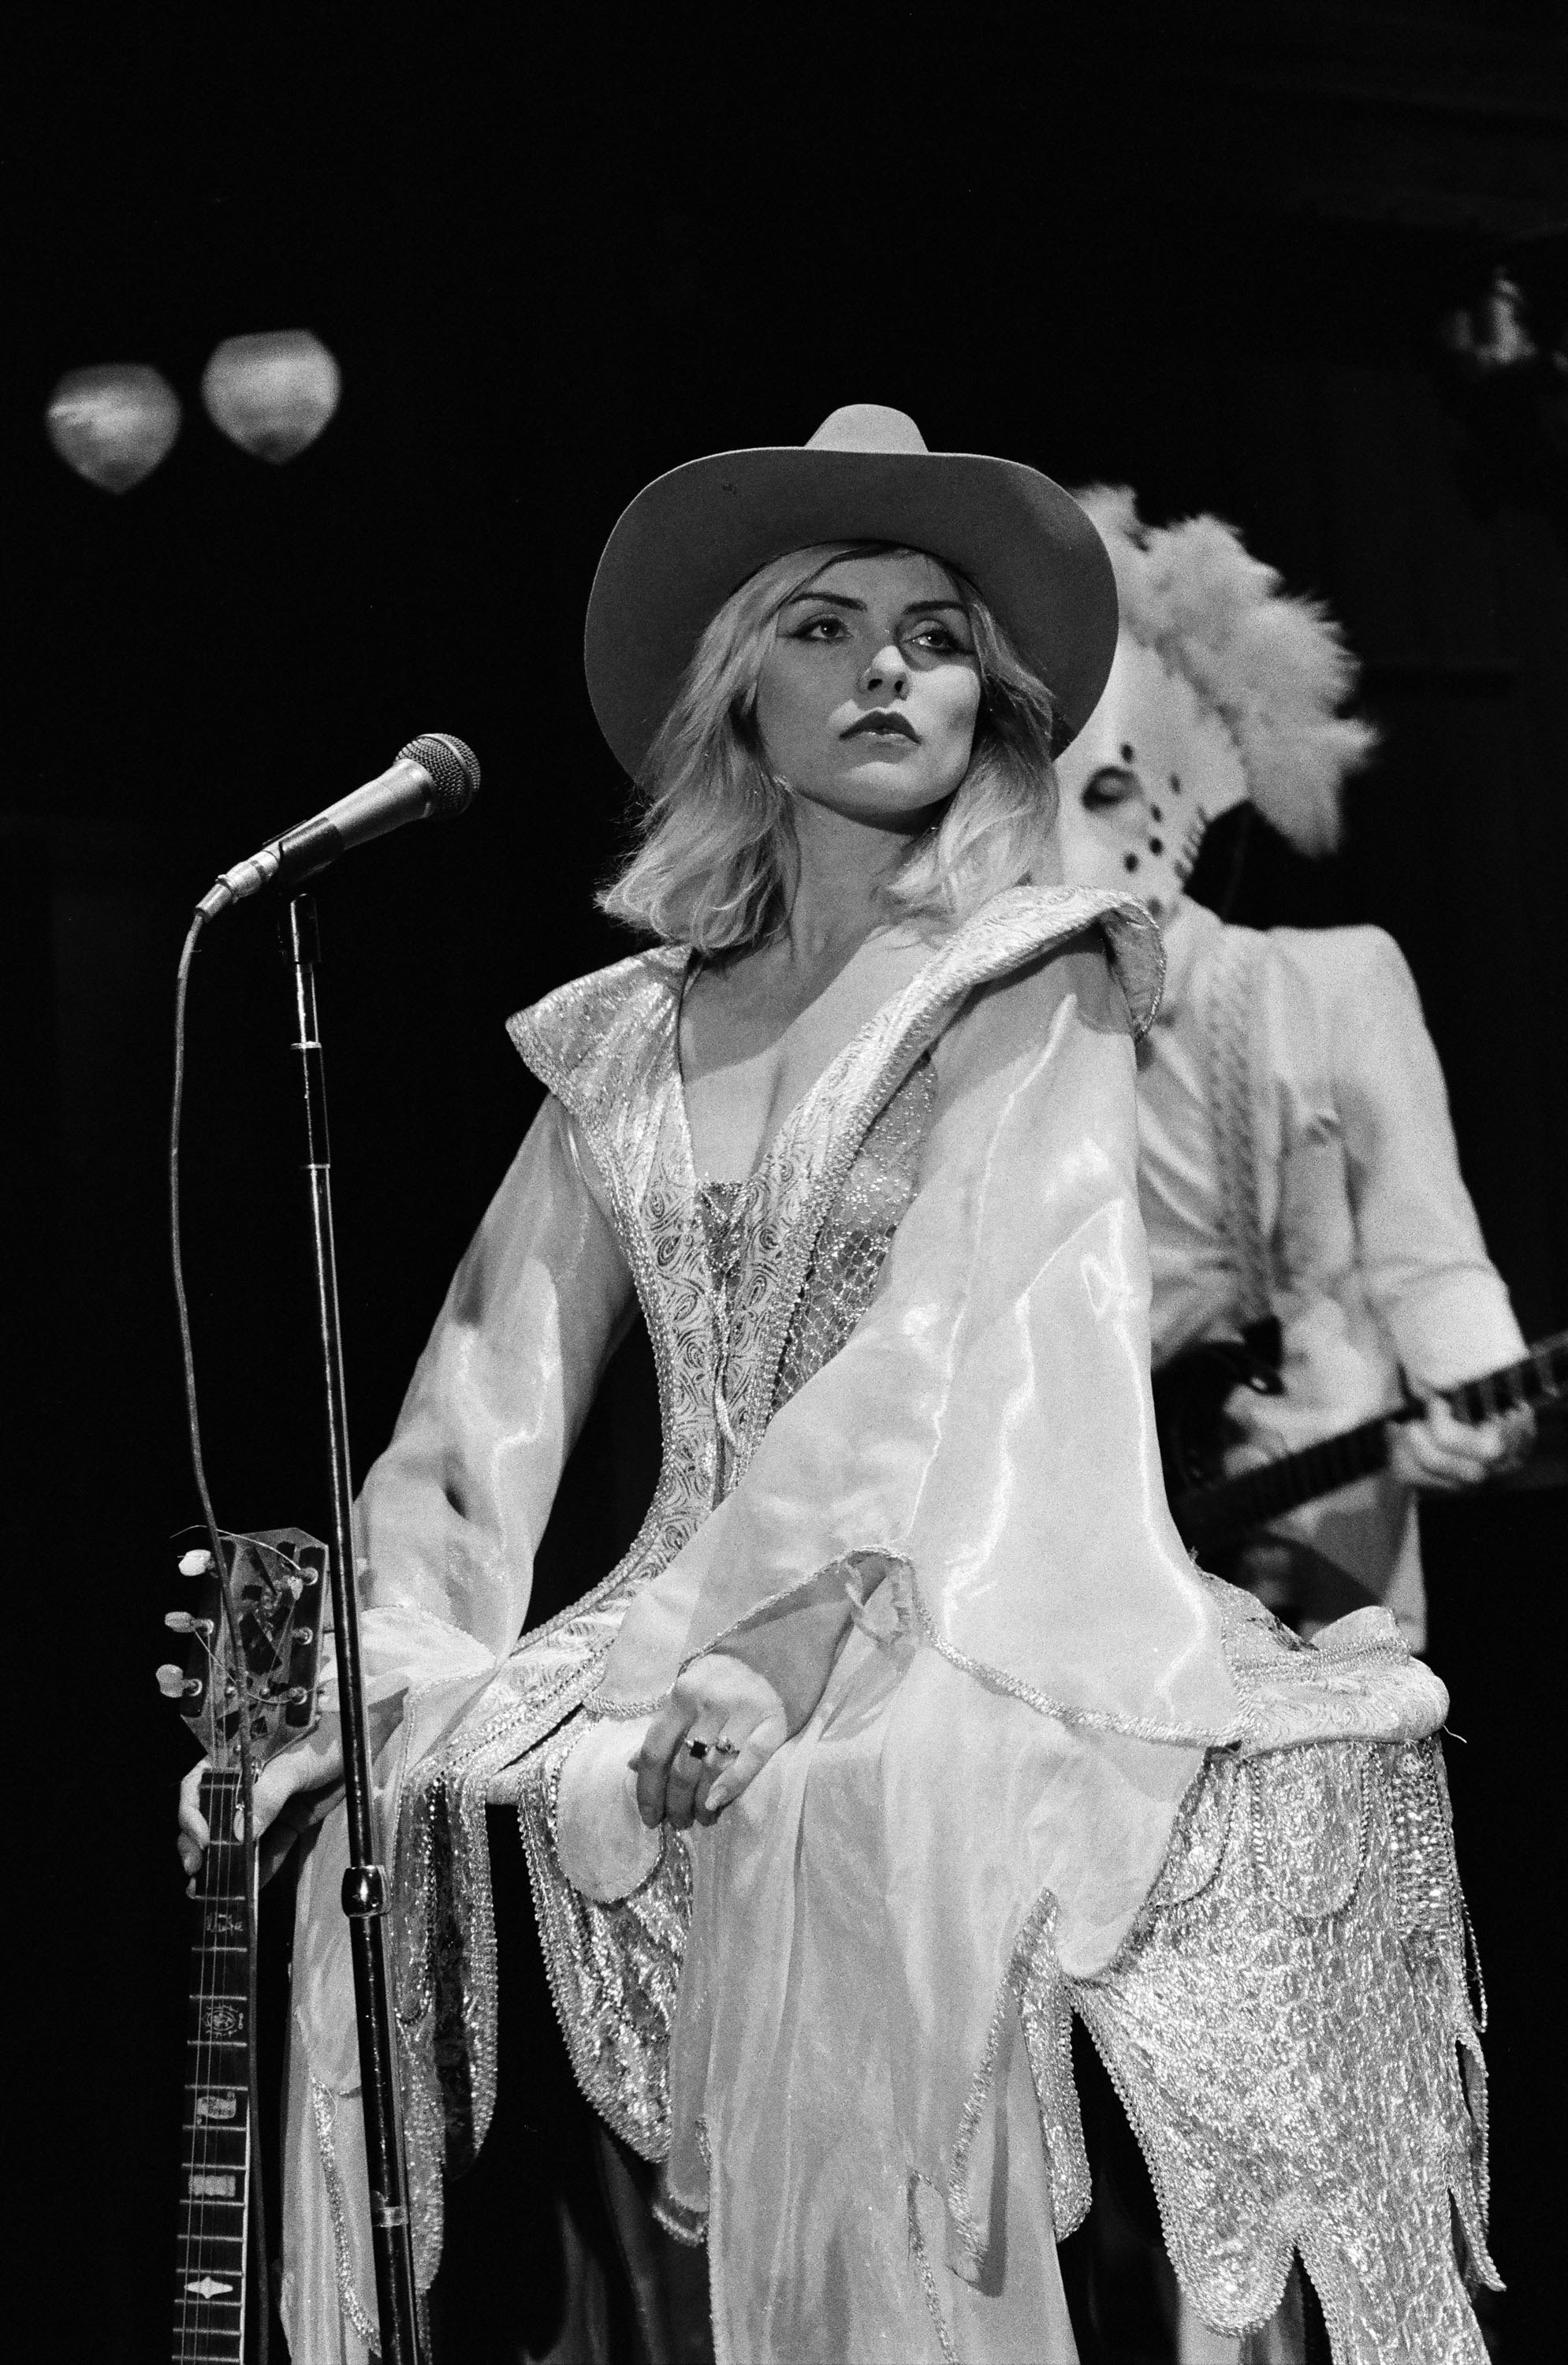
(1040, 1764)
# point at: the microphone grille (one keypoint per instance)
(454, 771)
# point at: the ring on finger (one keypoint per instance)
(705, 1749)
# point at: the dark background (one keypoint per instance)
(1205, 254)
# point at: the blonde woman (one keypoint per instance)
(906, 1728)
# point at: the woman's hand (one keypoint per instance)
(714, 1734)
(293, 1791)
(1442, 1453)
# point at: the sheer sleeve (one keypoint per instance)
(987, 1427)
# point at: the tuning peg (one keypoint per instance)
(174, 1684)
(196, 1563)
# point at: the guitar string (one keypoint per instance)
(218, 1787)
(213, 2136)
(196, 2221)
(211, 1998)
(195, 2224)
(217, 1790)
(207, 2199)
(197, 2259)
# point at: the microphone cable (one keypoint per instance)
(258, 2224)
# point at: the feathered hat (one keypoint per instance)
(1272, 666)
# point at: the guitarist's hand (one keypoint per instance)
(1441, 1453)
(294, 1790)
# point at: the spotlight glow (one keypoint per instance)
(113, 423)
(271, 394)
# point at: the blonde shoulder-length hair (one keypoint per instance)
(714, 863)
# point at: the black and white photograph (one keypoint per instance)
(782, 886)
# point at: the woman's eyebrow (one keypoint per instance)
(833, 598)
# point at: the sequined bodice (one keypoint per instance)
(846, 1262)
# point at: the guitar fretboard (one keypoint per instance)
(210, 2268)
(1543, 1374)
(1213, 1515)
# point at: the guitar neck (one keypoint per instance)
(1217, 1514)
(1539, 1375)
(1212, 1515)
(209, 2273)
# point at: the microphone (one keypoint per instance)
(436, 777)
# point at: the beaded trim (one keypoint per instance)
(921, 2264)
(324, 2110)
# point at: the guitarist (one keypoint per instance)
(1299, 1177)
(1313, 1247)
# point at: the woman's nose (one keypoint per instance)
(887, 670)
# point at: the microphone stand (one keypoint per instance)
(365, 1893)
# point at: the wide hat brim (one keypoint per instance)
(695, 535)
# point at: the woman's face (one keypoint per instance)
(867, 701)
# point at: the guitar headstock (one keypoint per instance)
(276, 1579)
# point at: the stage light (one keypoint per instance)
(271, 394)
(113, 423)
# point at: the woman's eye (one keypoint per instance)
(822, 628)
(943, 639)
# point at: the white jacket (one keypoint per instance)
(1375, 1260)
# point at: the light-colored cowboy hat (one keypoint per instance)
(695, 535)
